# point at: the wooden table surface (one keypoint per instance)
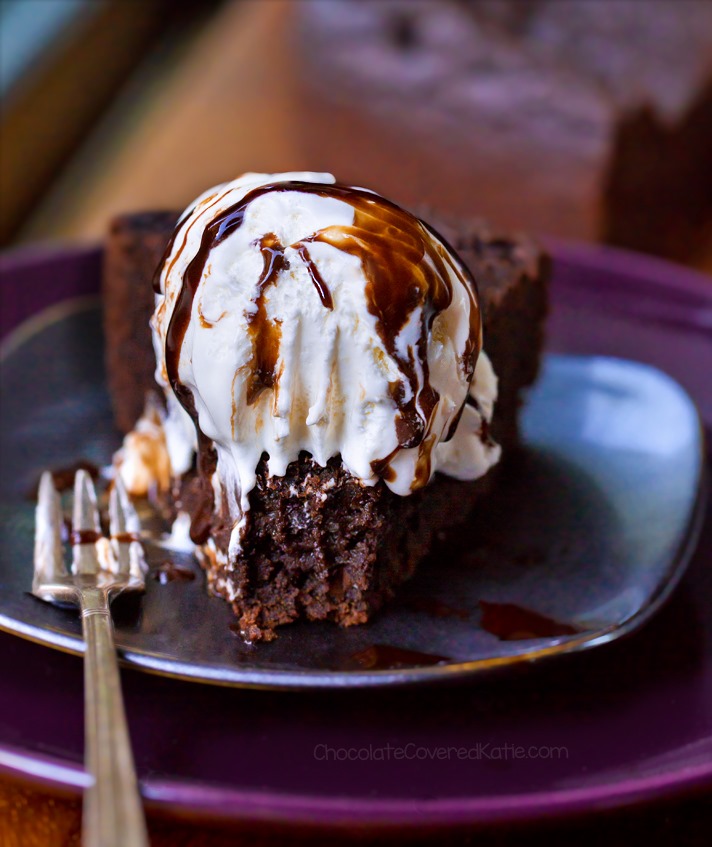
(163, 142)
(212, 107)
(219, 102)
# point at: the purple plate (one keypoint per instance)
(606, 728)
(573, 568)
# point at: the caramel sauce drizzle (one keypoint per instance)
(404, 270)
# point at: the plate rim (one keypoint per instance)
(204, 801)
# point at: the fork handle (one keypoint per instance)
(113, 813)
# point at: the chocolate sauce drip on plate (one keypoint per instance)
(84, 536)
(126, 537)
(510, 622)
(380, 657)
(404, 269)
(170, 572)
(91, 536)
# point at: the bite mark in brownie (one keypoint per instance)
(321, 545)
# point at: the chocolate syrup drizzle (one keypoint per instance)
(321, 287)
(84, 536)
(91, 536)
(126, 537)
(404, 270)
(266, 334)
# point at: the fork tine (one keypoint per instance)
(125, 528)
(117, 529)
(49, 561)
(86, 529)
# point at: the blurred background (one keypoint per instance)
(586, 119)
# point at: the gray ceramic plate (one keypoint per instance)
(587, 534)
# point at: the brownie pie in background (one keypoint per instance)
(585, 119)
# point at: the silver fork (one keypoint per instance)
(102, 568)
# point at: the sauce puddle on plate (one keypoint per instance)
(380, 657)
(510, 622)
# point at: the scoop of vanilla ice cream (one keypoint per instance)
(295, 315)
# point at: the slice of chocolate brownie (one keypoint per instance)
(512, 275)
(319, 544)
(134, 247)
